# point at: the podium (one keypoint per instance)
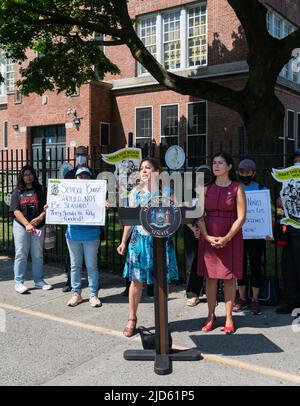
(161, 355)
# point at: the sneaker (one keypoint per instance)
(193, 301)
(43, 285)
(67, 287)
(20, 288)
(75, 300)
(95, 301)
(255, 308)
(240, 306)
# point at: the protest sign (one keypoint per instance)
(290, 194)
(78, 202)
(127, 162)
(258, 222)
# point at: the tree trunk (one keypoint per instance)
(264, 125)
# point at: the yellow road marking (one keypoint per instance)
(208, 357)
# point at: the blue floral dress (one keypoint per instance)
(139, 260)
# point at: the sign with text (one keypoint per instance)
(290, 194)
(80, 202)
(258, 222)
(127, 162)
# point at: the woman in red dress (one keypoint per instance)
(221, 241)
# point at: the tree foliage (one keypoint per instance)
(61, 32)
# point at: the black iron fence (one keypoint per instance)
(48, 161)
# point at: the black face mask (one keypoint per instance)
(245, 179)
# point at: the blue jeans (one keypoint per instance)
(24, 243)
(90, 251)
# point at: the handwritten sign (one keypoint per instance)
(78, 202)
(258, 222)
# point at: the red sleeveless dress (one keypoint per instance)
(220, 214)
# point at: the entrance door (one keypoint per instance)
(55, 136)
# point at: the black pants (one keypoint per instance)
(253, 250)
(290, 267)
(194, 282)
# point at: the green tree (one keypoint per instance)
(62, 32)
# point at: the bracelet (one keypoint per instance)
(229, 237)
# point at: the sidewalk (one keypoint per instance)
(47, 343)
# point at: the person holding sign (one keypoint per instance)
(253, 248)
(221, 242)
(81, 156)
(27, 205)
(290, 261)
(139, 262)
(83, 242)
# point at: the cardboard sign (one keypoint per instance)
(79, 202)
(258, 222)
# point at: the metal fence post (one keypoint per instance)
(44, 166)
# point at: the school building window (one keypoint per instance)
(196, 133)
(143, 125)
(169, 125)
(7, 72)
(176, 38)
(279, 28)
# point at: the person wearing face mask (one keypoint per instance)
(81, 156)
(290, 261)
(253, 249)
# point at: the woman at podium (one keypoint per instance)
(139, 261)
(220, 254)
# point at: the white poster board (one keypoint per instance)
(77, 202)
(258, 222)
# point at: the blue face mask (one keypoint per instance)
(81, 159)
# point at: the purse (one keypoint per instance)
(50, 236)
(148, 338)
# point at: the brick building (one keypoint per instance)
(193, 38)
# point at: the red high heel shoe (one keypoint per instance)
(229, 329)
(209, 326)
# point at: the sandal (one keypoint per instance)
(193, 301)
(130, 331)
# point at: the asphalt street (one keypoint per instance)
(44, 342)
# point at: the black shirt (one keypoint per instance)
(30, 202)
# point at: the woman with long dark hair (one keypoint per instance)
(139, 261)
(220, 254)
(27, 207)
